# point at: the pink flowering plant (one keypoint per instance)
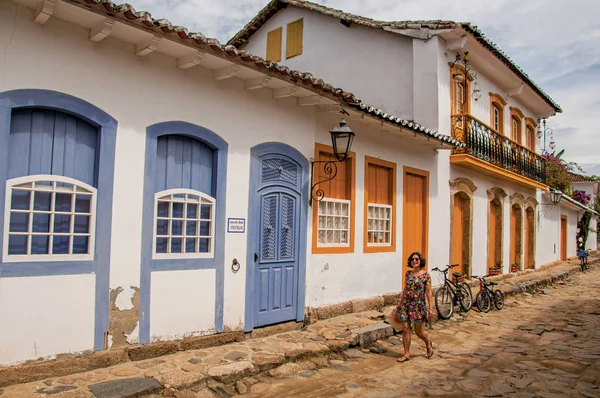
(581, 197)
(558, 171)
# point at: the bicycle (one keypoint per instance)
(583, 257)
(452, 293)
(487, 295)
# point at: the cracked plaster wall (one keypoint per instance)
(123, 318)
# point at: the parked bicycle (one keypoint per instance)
(451, 294)
(487, 295)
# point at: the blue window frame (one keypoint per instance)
(186, 164)
(71, 117)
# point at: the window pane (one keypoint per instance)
(162, 227)
(83, 203)
(190, 228)
(39, 244)
(204, 245)
(204, 228)
(192, 210)
(17, 244)
(190, 245)
(344, 237)
(82, 224)
(62, 223)
(20, 200)
(61, 244)
(80, 244)
(163, 209)
(42, 201)
(41, 222)
(62, 202)
(176, 245)
(177, 210)
(321, 237)
(161, 245)
(19, 222)
(205, 212)
(176, 227)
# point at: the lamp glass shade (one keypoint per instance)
(341, 139)
(555, 196)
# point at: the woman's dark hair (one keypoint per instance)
(422, 260)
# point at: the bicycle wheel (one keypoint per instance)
(466, 299)
(483, 301)
(498, 300)
(444, 303)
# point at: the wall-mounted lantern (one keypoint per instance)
(341, 140)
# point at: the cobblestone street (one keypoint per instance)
(541, 345)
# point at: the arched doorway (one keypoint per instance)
(461, 223)
(495, 241)
(516, 236)
(461, 239)
(529, 238)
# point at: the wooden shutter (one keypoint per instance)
(274, 45)
(293, 44)
(379, 183)
(339, 187)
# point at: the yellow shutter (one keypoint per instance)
(274, 45)
(293, 43)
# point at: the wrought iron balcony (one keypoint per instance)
(486, 144)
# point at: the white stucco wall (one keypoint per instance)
(592, 241)
(356, 58)
(334, 278)
(45, 316)
(139, 92)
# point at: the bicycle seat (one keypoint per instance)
(457, 274)
(492, 283)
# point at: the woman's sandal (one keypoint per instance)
(403, 359)
(430, 347)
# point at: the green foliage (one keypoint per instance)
(557, 171)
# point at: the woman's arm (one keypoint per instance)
(429, 298)
(403, 293)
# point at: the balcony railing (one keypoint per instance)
(486, 144)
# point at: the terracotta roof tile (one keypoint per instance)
(582, 178)
(163, 27)
(275, 5)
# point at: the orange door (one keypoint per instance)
(458, 233)
(529, 234)
(414, 217)
(493, 235)
(563, 237)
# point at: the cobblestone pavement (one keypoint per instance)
(539, 345)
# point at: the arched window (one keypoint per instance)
(530, 133)
(516, 118)
(497, 104)
(51, 190)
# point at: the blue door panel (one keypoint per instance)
(277, 249)
(52, 142)
(184, 162)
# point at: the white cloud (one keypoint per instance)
(554, 42)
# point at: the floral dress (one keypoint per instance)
(414, 307)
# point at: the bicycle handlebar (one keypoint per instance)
(449, 266)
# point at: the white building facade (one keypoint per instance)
(156, 185)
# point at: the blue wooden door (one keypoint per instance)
(277, 246)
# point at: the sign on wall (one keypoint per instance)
(236, 225)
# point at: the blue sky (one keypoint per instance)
(557, 43)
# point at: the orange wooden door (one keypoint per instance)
(492, 238)
(513, 235)
(529, 241)
(563, 237)
(414, 217)
(458, 233)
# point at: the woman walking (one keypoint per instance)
(413, 308)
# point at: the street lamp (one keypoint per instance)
(468, 72)
(555, 196)
(543, 130)
(341, 140)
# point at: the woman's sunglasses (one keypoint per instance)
(415, 259)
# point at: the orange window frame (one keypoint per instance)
(496, 101)
(466, 85)
(516, 116)
(530, 128)
(350, 180)
(391, 199)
